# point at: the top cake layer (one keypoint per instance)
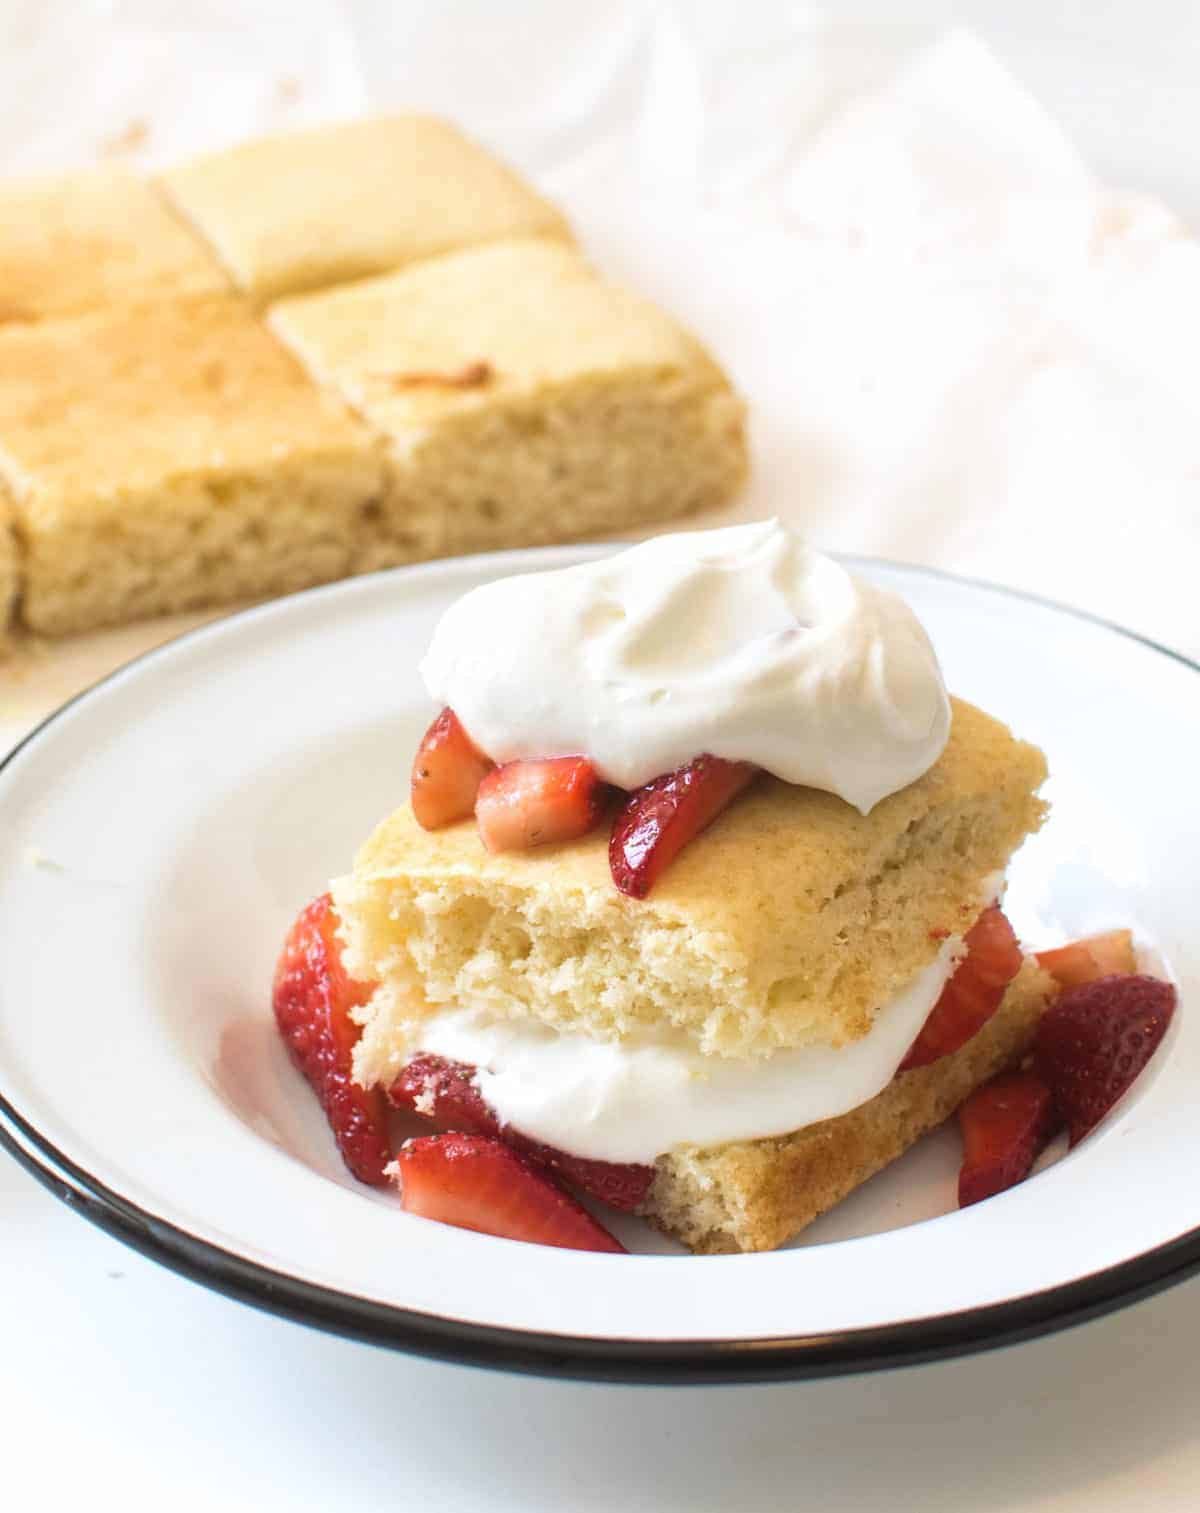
(791, 920)
(301, 211)
(92, 240)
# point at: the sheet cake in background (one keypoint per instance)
(161, 449)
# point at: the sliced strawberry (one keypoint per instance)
(446, 1093)
(526, 804)
(477, 1182)
(1086, 960)
(443, 1091)
(657, 821)
(313, 998)
(1093, 1041)
(1005, 1124)
(447, 771)
(973, 994)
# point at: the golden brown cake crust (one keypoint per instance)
(791, 920)
(288, 213)
(90, 240)
(465, 330)
(171, 456)
(755, 1195)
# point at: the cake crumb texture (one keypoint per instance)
(525, 399)
(174, 456)
(88, 241)
(755, 1195)
(789, 921)
(307, 209)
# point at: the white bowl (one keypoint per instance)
(158, 835)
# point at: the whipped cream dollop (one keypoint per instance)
(741, 643)
(635, 1099)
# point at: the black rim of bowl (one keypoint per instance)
(776, 1358)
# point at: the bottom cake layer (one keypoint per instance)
(755, 1195)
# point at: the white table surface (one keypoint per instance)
(120, 1375)
(120, 1380)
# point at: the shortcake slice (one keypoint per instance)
(778, 942)
(697, 908)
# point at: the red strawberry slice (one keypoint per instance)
(657, 821)
(445, 1093)
(526, 804)
(1005, 1124)
(1093, 1041)
(312, 998)
(447, 771)
(973, 994)
(477, 1182)
(1086, 960)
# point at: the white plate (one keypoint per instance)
(159, 833)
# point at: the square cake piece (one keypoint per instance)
(793, 923)
(525, 398)
(92, 240)
(308, 209)
(170, 457)
(787, 923)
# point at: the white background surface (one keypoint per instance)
(120, 1380)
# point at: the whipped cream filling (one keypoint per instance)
(635, 1099)
(742, 643)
